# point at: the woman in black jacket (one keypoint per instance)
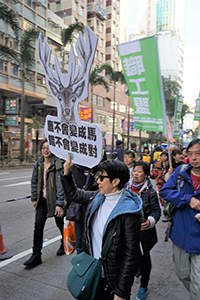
(109, 204)
(141, 185)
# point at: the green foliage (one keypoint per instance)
(95, 79)
(171, 90)
(9, 16)
(26, 52)
(114, 76)
(67, 34)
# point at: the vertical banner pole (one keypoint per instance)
(164, 107)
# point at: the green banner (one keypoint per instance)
(197, 109)
(141, 69)
(177, 116)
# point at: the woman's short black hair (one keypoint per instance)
(115, 169)
(192, 143)
(176, 151)
(145, 166)
(44, 141)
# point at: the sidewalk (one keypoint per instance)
(163, 284)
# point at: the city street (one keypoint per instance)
(48, 280)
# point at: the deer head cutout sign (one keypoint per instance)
(66, 133)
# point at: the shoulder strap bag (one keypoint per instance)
(84, 278)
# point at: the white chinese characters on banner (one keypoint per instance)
(66, 133)
(134, 66)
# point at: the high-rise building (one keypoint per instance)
(108, 20)
(104, 18)
(166, 19)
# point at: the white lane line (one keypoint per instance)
(19, 183)
(5, 173)
(12, 178)
(26, 252)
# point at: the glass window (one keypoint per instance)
(97, 54)
(89, 23)
(41, 10)
(112, 105)
(94, 99)
(101, 42)
(58, 6)
(82, 11)
(97, 24)
(101, 57)
(101, 119)
(100, 101)
(76, 7)
(122, 108)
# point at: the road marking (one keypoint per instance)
(19, 183)
(12, 178)
(26, 252)
(6, 173)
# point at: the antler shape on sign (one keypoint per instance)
(68, 89)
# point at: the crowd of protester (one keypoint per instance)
(120, 189)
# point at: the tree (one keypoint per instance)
(95, 79)
(9, 16)
(67, 37)
(24, 60)
(185, 110)
(114, 77)
(171, 90)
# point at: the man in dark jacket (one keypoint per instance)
(134, 149)
(118, 152)
(85, 178)
(183, 190)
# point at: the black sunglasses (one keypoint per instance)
(101, 177)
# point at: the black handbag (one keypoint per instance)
(84, 278)
(73, 212)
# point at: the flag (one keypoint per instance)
(197, 109)
(142, 74)
(168, 134)
(177, 116)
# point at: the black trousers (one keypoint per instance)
(104, 291)
(145, 265)
(40, 220)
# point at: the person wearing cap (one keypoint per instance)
(134, 149)
(118, 152)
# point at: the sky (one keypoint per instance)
(191, 76)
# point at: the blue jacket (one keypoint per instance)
(129, 203)
(185, 230)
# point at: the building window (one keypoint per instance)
(97, 54)
(97, 24)
(100, 101)
(112, 105)
(82, 11)
(101, 42)
(89, 23)
(101, 57)
(94, 99)
(122, 108)
(76, 6)
(101, 120)
(101, 28)
(58, 6)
